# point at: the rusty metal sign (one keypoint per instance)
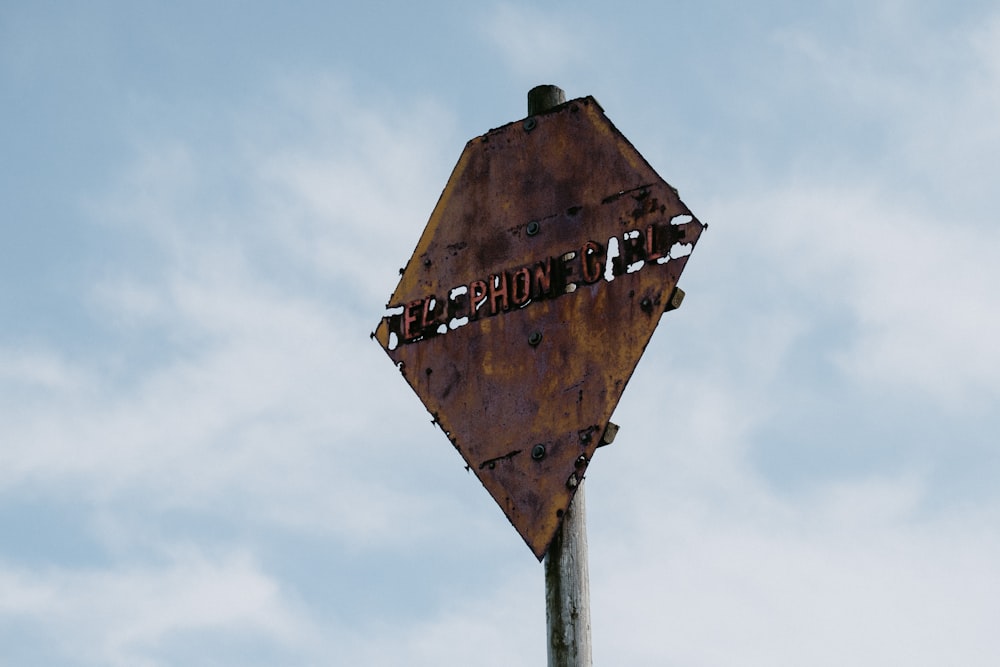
(530, 297)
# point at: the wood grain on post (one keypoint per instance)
(543, 98)
(567, 590)
(567, 583)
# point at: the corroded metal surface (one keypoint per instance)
(542, 273)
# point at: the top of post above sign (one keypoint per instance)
(530, 297)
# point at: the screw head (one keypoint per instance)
(538, 452)
(533, 228)
(530, 123)
(535, 338)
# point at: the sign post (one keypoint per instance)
(567, 579)
(530, 297)
(567, 590)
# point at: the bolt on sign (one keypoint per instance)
(531, 295)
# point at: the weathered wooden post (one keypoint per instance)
(567, 590)
(567, 583)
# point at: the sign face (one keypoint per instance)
(530, 297)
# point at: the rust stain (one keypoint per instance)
(530, 297)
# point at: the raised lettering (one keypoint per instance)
(566, 265)
(498, 293)
(653, 252)
(458, 302)
(520, 287)
(412, 314)
(428, 318)
(541, 279)
(552, 277)
(633, 251)
(591, 259)
(477, 297)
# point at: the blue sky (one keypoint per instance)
(204, 459)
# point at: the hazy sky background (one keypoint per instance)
(204, 460)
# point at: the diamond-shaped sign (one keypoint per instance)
(530, 297)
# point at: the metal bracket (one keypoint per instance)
(676, 299)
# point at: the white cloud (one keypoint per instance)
(851, 577)
(697, 559)
(505, 628)
(237, 341)
(912, 291)
(132, 615)
(924, 97)
(35, 369)
(535, 42)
